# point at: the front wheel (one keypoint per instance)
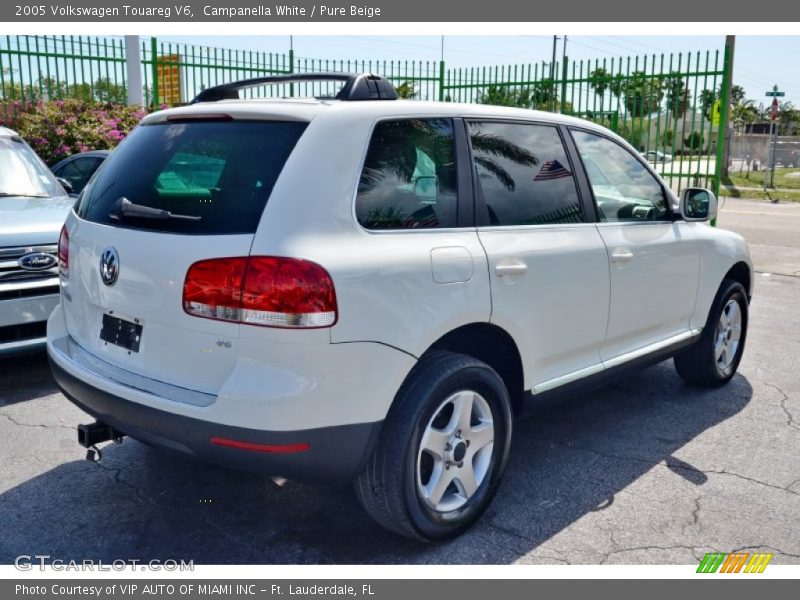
(443, 449)
(714, 358)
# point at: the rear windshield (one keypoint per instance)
(212, 177)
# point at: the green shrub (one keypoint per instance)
(58, 128)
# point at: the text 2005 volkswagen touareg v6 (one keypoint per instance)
(360, 288)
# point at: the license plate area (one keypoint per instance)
(121, 332)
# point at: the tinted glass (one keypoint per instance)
(524, 174)
(221, 172)
(22, 172)
(78, 171)
(623, 188)
(409, 176)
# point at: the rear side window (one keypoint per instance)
(524, 175)
(409, 176)
(213, 177)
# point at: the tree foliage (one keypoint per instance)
(541, 95)
(406, 90)
(102, 89)
(641, 93)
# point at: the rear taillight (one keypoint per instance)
(63, 253)
(261, 290)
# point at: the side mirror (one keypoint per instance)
(65, 184)
(698, 204)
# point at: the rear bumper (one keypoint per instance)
(335, 454)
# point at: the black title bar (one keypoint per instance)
(459, 11)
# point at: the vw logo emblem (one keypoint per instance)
(109, 266)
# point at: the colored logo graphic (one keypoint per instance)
(737, 562)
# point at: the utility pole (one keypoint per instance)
(553, 62)
(442, 57)
(730, 42)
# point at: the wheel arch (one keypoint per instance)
(741, 272)
(492, 345)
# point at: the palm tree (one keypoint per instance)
(744, 112)
(600, 81)
(737, 95)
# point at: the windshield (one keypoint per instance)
(22, 172)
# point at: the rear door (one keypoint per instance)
(547, 261)
(126, 272)
(417, 269)
(653, 260)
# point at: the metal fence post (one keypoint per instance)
(441, 81)
(291, 70)
(727, 75)
(154, 59)
(133, 66)
(564, 74)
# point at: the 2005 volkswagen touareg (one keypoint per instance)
(360, 288)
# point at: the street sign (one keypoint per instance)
(715, 112)
(774, 109)
(775, 93)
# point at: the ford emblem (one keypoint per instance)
(37, 261)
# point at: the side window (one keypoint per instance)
(524, 174)
(623, 188)
(409, 176)
(78, 172)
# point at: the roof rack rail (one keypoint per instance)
(357, 86)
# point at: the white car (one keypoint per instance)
(656, 156)
(367, 289)
(33, 206)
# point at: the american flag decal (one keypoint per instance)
(552, 169)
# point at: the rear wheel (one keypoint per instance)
(443, 449)
(714, 358)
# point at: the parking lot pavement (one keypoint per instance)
(648, 470)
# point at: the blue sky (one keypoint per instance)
(760, 61)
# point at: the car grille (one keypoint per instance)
(20, 333)
(17, 282)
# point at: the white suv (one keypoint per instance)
(364, 289)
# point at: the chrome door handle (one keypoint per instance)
(511, 267)
(621, 255)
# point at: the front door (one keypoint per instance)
(653, 260)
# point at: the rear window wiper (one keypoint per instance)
(124, 208)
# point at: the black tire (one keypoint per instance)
(387, 488)
(697, 364)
